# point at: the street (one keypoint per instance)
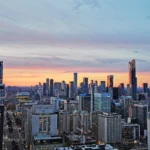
(14, 136)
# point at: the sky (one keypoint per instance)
(53, 38)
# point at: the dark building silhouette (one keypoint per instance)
(44, 89)
(1, 72)
(145, 87)
(132, 78)
(1, 125)
(85, 84)
(51, 87)
(115, 92)
(121, 89)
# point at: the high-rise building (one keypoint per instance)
(125, 102)
(2, 93)
(145, 87)
(110, 81)
(85, 84)
(47, 86)
(140, 112)
(115, 92)
(63, 86)
(42, 125)
(110, 84)
(71, 90)
(103, 86)
(1, 125)
(57, 88)
(44, 89)
(64, 122)
(96, 83)
(109, 128)
(51, 87)
(132, 78)
(102, 102)
(121, 89)
(84, 102)
(1, 72)
(148, 129)
(75, 81)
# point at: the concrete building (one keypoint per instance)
(71, 105)
(125, 102)
(41, 124)
(56, 102)
(140, 112)
(130, 132)
(109, 128)
(25, 108)
(64, 122)
(132, 78)
(102, 102)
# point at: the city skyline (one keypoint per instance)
(37, 44)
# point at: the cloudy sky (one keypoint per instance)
(54, 38)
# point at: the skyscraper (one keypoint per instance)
(132, 78)
(1, 125)
(145, 87)
(44, 89)
(85, 84)
(47, 86)
(121, 89)
(110, 81)
(103, 86)
(110, 84)
(75, 82)
(51, 87)
(102, 102)
(71, 90)
(1, 72)
(2, 93)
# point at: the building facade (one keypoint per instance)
(132, 78)
(109, 128)
(102, 102)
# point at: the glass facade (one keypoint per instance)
(102, 102)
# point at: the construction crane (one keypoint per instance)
(83, 133)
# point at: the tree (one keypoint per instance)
(10, 129)
(9, 123)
